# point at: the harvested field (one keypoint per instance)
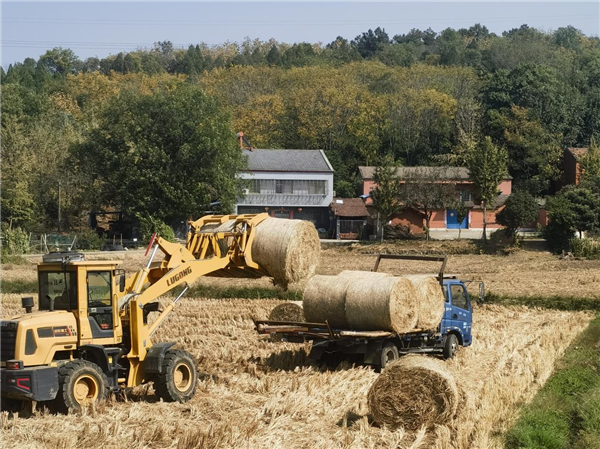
(257, 393)
(523, 273)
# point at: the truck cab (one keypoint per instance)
(458, 313)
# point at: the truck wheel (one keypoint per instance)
(450, 346)
(80, 383)
(178, 378)
(389, 354)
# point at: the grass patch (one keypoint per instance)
(14, 259)
(555, 302)
(18, 286)
(566, 411)
(244, 292)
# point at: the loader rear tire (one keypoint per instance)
(80, 383)
(178, 378)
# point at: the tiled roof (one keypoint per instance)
(578, 152)
(349, 207)
(449, 173)
(288, 160)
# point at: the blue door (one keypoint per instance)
(452, 221)
(461, 311)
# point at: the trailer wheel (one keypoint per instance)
(450, 346)
(389, 354)
(80, 383)
(178, 378)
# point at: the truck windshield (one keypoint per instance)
(60, 287)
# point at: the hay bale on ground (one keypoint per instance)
(288, 311)
(412, 392)
(287, 249)
(325, 299)
(357, 273)
(381, 303)
(429, 301)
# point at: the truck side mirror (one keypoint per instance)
(122, 283)
(481, 293)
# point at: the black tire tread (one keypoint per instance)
(387, 345)
(162, 382)
(63, 401)
(447, 352)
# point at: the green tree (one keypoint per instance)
(59, 61)
(585, 207)
(386, 193)
(274, 57)
(462, 212)
(427, 190)
(520, 208)
(166, 155)
(487, 165)
(372, 42)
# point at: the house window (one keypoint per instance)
(300, 187)
(316, 187)
(267, 186)
(465, 195)
(282, 186)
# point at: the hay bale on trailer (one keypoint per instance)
(429, 301)
(287, 249)
(412, 392)
(325, 299)
(288, 311)
(381, 303)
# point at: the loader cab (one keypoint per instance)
(88, 289)
(458, 313)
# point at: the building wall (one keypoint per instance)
(411, 218)
(506, 187)
(319, 216)
(476, 219)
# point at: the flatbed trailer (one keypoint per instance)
(380, 347)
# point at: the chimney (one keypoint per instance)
(243, 142)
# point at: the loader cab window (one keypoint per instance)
(58, 290)
(100, 311)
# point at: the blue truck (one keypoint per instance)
(380, 347)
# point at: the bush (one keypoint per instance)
(560, 229)
(520, 209)
(149, 225)
(588, 248)
(88, 240)
(397, 232)
(14, 241)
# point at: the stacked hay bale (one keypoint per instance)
(364, 300)
(287, 249)
(412, 392)
(430, 301)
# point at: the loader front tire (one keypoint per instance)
(178, 378)
(80, 383)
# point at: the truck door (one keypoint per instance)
(461, 311)
(100, 311)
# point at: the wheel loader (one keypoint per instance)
(92, 333)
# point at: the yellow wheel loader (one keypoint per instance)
(92, 336)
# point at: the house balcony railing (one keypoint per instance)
(284, 199)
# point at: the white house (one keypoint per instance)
(288, 184)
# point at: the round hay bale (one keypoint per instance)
(429, 301)
(288, 311)
(412, 392)
(325, 299)
(287, 249)
(378, 302)
(357, 273)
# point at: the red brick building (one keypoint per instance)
(442, 219)
(571, 166)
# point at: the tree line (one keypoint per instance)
(152, 131)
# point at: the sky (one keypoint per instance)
(103, 28)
